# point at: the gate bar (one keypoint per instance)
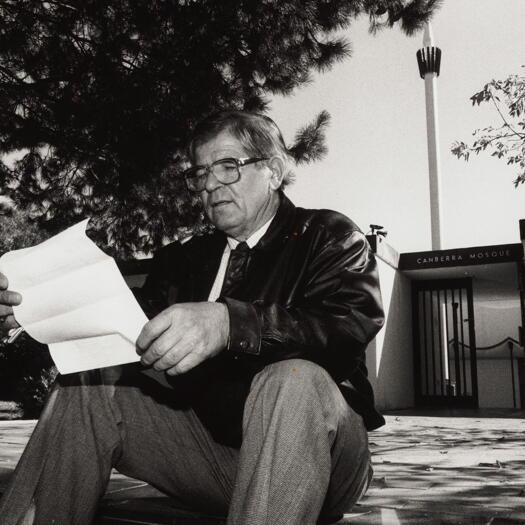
(462, 341)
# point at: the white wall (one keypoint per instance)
(497, 316)
(389, 356)
(495, 383)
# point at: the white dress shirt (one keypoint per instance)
(232, 243)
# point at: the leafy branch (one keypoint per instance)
(506, 141)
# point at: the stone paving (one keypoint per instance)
(428, 470)
(446, 470)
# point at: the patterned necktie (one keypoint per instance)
(236, 268)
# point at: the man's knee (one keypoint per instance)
(291, 373)
(298, 384)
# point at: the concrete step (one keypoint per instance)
(150, 511)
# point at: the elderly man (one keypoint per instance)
(260, 329)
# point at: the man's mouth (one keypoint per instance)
(219, 204)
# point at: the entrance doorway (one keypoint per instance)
(444, 343)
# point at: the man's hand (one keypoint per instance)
(184, 335)
(8, 299)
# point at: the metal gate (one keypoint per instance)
(444, 343)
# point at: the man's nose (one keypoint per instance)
(212, 183)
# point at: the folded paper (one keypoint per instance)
(75, 300)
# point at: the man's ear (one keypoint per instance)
(276, 166)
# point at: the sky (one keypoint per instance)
(376, 169)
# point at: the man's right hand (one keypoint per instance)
(8, 299)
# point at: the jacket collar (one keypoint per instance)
(281, 226)
(254, 238)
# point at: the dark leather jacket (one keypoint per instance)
(311, 291)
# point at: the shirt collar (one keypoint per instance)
(254, 238)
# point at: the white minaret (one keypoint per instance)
(429, 61)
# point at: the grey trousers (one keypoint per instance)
(304, 456)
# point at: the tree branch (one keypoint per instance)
(517, 133)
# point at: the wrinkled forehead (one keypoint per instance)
(221, 145)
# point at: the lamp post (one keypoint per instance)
(429, 61)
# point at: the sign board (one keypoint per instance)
(500, 253)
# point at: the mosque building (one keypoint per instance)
(454, 318)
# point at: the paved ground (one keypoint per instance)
(428, 470)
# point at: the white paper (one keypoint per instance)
(75, 299)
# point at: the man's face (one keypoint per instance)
(241, 208)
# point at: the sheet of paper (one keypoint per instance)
(75, 300)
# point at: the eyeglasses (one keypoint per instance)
(226, 171)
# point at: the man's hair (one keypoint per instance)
(258, 134)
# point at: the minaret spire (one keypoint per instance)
(429, 62)
(428, 37)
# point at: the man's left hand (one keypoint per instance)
(183, 336)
